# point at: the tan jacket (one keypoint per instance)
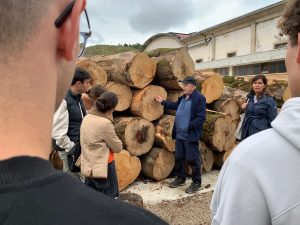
(97, 138)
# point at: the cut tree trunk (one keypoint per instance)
(158, 164)
(219, 131)
(98, 74)
(128, 168)
(136, 134)
(237, 94)
(130, 68)
(124, 95)
(211, 85)
(206, 158)
(228, 105)
(221, 157)
(144, 103)
(173, 97)
(163, 135)
(173, 66)
(287, 94)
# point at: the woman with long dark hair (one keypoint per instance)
(260, 108)
(99, 142)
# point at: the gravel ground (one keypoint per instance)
(193, 210)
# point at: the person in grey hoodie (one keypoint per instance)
(259, 184)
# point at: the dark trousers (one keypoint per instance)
(189, 152)
(107, 186)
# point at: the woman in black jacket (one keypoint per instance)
(260, 108)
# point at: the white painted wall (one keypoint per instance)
(163, 42)
(202, 52)
(267, 35)
(238, 41)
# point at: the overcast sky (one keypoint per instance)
(134, 21)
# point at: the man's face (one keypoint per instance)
(84, 87)
(293, 69)
(188, 88)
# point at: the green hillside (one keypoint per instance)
(110, 49)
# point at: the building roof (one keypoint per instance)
(276, 7)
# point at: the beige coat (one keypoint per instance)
(97, 138)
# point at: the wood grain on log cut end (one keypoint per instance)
(142, 70)
(207, 157)
(183, 64)
(98, 75)
(163, 135)
(144, 104)
(124, 95)
(128, 168)
(158, 164)
(227, 105)
(212, 87)
(137, 134)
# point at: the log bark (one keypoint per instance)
(172, 67)
(144, 104)
(211, 85)
(173, 97)
(235, 93)
(128, 168)
(227, 105)
(163, 133)
(98, 74)
(218, 131)
(136, 134)
(124, 95)
(130, 68)
(158, 164)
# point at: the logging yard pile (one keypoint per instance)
(145, 128)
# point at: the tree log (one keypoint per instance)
(124, 95)
(128, 168)
(221, 157)
(173, 97)
(163, 135)
(237, 94)
(219, 131)
(172, 67)
(158, 164)
(130, 68)
(287, 94)
(228, 105)
(144, 104)
(136, 134)
(211, 85)
(98, 75)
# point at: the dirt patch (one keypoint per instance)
(193, 210)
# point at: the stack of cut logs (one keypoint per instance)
(141, 123)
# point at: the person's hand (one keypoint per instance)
(244, 106)
(158, 99)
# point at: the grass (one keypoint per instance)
(108, 49)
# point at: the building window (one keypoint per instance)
(199, 60)
(281, 67)
(223, 71)
(231, 54)
(265, 68)
(280, 45)
(256, 69)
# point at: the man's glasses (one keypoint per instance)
(85, 28)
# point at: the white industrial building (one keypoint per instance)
(247, 45)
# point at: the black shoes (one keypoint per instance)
(194, 187)
(177, 182)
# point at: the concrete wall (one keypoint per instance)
(238, 41)
(203, 52)
(163, 42)
(267, 35)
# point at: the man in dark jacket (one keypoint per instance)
(190, 116)
(68, 118)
